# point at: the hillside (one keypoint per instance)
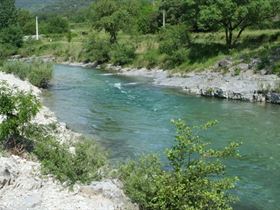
(53, 6)
(65, 6)
(33, 5)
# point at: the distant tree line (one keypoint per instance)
(202, 15)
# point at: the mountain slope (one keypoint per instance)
(65, 6)
(53, 6)
(33, 5)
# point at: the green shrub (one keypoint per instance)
(193, 179)
(37, 73)
(97, 50)
(82, 166)
(150, 59)
(276, 68)
(12, 35)
(40, 74)
(7, 50)
(122, 54)
(56, 25)
(177, 58)
(172, 38)
(17, 108)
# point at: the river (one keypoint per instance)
(131, 117)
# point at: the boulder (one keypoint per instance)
(225, 63)
(273, 98)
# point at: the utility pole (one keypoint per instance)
(37, 28)
(163, 17)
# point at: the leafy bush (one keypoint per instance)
(194, 178)
(276, 68)
(81, 166)
(12, 35)
(7, 50)
(56, 25)
(37, 73)
(97, 49)
(172, 38)
(150, 59)
(17, 108)
(122, 54)
(177, 58)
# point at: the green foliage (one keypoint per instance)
(17, 108)
(97, 49)
(276, 68)
(172, 38)
(26, 20)
(150, 59)
(139, 178)
(7, 50)
(12, 36)
(122, 54)
(174, 41)
(108, 15)
(82, 165)
(37, 73)
(177, 58)
(234, 15)
(194, 178)
(56, 25)
(8, 13)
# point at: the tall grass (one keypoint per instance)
(37, 73)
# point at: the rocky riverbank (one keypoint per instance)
(239, 82)
(22, 186)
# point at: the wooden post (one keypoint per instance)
(37, 28)
(163, 17)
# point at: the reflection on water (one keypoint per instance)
(131, 117)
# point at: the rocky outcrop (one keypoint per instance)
(273, 98)
(240, 82)
(23, 187)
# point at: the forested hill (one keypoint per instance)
(53, 6)
(34, 5)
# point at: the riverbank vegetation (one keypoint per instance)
(37, 72)
(21, 137)
(194, 36)
(193, 178)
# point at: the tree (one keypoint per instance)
(12, 36)
(109, 15)
(26, 20)
(57, 25)
(235, 15)
(8, 13)
(194, 179)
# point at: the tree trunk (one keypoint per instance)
(229, 36)
(113, 38)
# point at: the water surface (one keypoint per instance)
(130, 117)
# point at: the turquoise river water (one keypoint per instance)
(132, 117)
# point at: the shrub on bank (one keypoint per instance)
(37, 73)
(97, 50)
(122, 54)
(19, 136)
(193, 179)
(173, 38)
(81, 165)
(17, 108)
